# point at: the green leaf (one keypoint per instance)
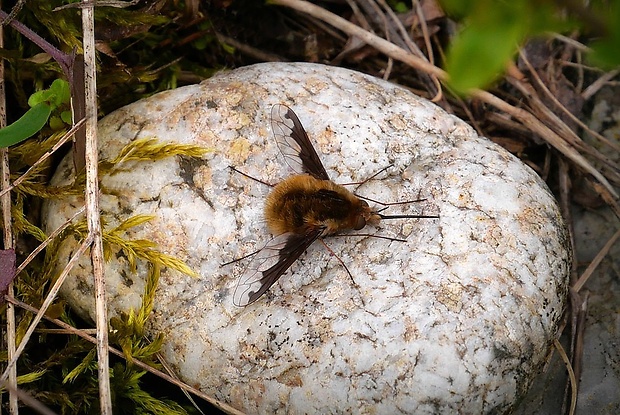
(56, 123)
(606, 51)
(479, 55)
(62, 91)
(28, 125)
(490, 39)
(399, 7)
(67, 117)
(228, 48)
(57, 94)
(492, 34)
(456, 8)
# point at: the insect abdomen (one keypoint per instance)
(303, 202)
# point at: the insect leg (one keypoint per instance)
(358, 184)
(250, 177)
(357, 287)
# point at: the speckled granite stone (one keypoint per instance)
(457, 319)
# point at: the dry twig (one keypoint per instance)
(5, 202)
(51, 296)
(66, 137)
(571, 375)
(92, 207)
(595, 262)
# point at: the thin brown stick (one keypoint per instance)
(598, 84)
(380, 19)
(427, 39)
(249, 50)
(47, 240)
(545, 116)
(64, 331)
(580, 328)
(51, 296)
(370, 39)
(170, 371)
(552, 97)
(571, 375)
(68, 135)
(92, 207)
(119, 4)
(81, 333)
(565, 186)
(575, 304)
(429, 51)
(536, 126)
(595, 262)
(404, 34)
(571, 42)
(5, 202)
(27, 399)
(359, 16)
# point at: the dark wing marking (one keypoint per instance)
(269, 264)
(294, 144)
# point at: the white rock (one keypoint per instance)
(457, 319)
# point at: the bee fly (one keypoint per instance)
(300, 209)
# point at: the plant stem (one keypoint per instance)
(64, 60)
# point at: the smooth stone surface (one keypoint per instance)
(457, 319)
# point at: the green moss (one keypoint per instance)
(150, 149)
(63, 374)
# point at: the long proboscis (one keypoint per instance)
(408, 216)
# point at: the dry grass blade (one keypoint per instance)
(382, 45)
(402, 32)
(596, 85)
(432, 82)
(44, 157)
(49, 239)
(121, 4)
(565, 185)
(51, 296)
(595, 262)
(170, 371)
(5, 202)
(249, 50)
(550, 119)
(571, 375)
(607, 197)
(538, 127)
(581, 124)
(562, 133)
(28, 400)
(579, 334)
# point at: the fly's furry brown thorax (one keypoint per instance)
(303, 203)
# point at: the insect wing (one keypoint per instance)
(269, 264)
(294, 144)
